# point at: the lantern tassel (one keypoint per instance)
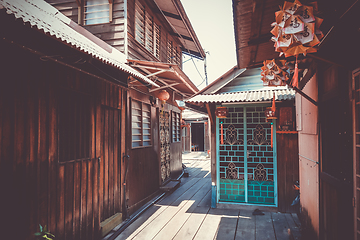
(272, 135)
(222, 135)
(273, 108)
(295, 81)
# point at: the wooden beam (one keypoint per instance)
(209, 113)
(166, 86)
(156, 73)
(311, 71)
(183, 80)
(151, 68)
(110, 10)
(305, 96)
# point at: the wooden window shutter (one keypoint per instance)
(139, 22)
(157, 38)
(149, 33)
(169, 51)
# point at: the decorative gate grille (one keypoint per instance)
(247, 163)
(165, 145)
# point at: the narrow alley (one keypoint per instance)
(187, 214)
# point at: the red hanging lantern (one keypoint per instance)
(163, 96)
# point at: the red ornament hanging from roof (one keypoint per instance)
(274, 73)
(296, 29)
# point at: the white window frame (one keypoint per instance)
(93, 5)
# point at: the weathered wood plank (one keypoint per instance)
(117, 159)
(89, 208)
(111, 154)
(294, 230)
(83, 204)
(281, 227)
(60, 203)
(210, 226)
(296, 219)
(190, 227)
(53, 158)
(154, 227)
(264, 227)
(246, 226)
(76, 199)
(69, 199)
(175, 223)
(155, 210)
(227, 226)
(106, 161)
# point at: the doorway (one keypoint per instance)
(197, 137)
(246, 160)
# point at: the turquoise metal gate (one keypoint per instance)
(246, 164)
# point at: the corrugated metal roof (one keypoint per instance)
(48, 19)
(176, 16)
(245, 96)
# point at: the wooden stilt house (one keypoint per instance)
(84, 139)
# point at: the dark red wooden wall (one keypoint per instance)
(71, 195)
(287, 169)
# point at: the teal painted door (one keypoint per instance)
(246, 161)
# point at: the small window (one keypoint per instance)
(141, 124)
(176, 127)
(97, 11)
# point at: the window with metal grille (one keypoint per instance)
(141, 124)
(147, 32)
(176, 126)
(97, 11)
(75, 128)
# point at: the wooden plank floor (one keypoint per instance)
(186, 214)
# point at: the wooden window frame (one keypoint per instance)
(176, 131)
(81, 13)
(142, 124)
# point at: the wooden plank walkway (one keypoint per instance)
(186, 214)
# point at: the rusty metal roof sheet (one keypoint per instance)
(245, 96)
(48, 19)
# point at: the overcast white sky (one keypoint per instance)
(212, 21)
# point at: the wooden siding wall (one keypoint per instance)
(336, 207)
(143, 176)
(67, 7)
(112, 33)
(136, 50)
(39, 188)
(288, 170)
